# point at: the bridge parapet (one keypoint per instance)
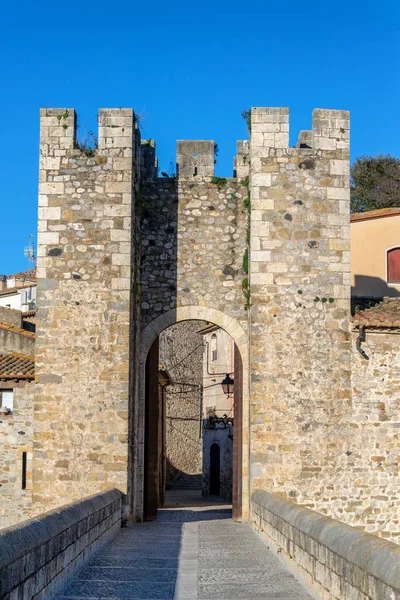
(333, 560)
(38, 556)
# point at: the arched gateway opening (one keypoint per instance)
(193, 417)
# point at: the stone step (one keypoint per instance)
(188, 482)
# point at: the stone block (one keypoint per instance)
(260, 179)
(335, 193)
(260, 228)
(52, 188)
(118, 210)
(120, 235)
(49, 237)
(120, 283)
(122, 164)
(118, 187)
(121, 259)
(52, 213)
(281, 140)
(260, 256)
(50, 162)
(262, 278)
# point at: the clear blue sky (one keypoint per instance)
(192, 67)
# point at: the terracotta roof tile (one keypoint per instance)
(15, 329)
(29, 274)
(384, 314)
(16, 366)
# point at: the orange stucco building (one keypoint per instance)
(375, 253)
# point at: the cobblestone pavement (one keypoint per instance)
(191, 552)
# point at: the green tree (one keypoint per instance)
(375, 183)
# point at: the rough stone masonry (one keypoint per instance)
(121, 250)
(300, 294)
(81, 438)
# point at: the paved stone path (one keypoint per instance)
(189, 553)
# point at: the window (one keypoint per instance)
(393, 265)
(23, 477)
(214, 353)
(6, 399)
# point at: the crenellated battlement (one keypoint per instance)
(270, 129)
(118, 133)
(148, 159)
(269, 134)
(119, 136)
(241, 164)
(195, 158)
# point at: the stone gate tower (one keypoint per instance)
(264, 255)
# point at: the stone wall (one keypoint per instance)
(300, 269)
(17, 341)
(10, 316)
(16, 432)
(193, 239)
(82, 398)
(332, 560)
(181, 354)
(368, 468)
(38, 557)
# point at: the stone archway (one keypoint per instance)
(148, 336)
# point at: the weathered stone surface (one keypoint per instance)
(16, 433)
(181, 354)
(191, 232)
(334, 560)
(40, 555)
(299, 280)
(368, 468)
(17, 340)
(10, 316)
(83, 344)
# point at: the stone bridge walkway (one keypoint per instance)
(193, 552)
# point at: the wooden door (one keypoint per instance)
(152, 436)
(237, 437)
(215, 469)
(393, 266)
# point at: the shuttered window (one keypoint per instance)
(393, 265)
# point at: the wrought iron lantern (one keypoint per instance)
(227, 385)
